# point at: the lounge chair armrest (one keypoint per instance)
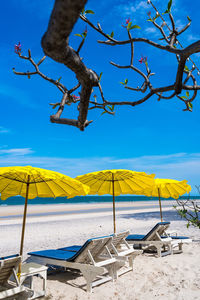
(105, 262)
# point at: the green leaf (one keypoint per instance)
(187, 94)
(129, 25)
(104, 112)
(169, 5)
(84, 34)
(109, 107)
(189, 19)
(122, 83)
(78, 34)
(59, 79)
(135, 26)
(183, 97)
(150, 20)
(190, 105)
(83, 10)
(126, 81)
(112, 34)
(112, 108)
(188, 225)
(89, 11)
(100, 76)
(186, 69)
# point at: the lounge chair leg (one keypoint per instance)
(43, 275)
(89, 274)
(130, 261)
(179, 250)
(159, 251)
(111, 271)
(89, 287)
(89, 277)
(116, 266)
(170, 249)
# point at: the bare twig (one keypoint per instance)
(59, 85)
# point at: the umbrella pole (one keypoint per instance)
(160, 205)
(24, 217)
(113, 190)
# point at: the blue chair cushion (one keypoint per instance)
(10, 256)
(135, 237)
(138, 237)
(74, 248)
(155, 228)
(163, 223)
(54, 254)
(179, 237)
(63, 253)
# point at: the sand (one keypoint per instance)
(171, 277)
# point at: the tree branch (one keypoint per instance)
(55, 45)
(59, 85)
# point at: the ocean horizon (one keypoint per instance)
(18, 200)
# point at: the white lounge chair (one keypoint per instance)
(155, 240)
(180, 238)
(90, 259)
(8, 288)
(118, 247)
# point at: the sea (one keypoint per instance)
(18, 200)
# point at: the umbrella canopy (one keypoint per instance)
(32, 182)
(42, 183)
(167, 188)
(117, 182)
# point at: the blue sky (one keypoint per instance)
(156, 137)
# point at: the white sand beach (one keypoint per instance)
(170, 277)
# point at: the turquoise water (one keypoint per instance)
(86, 199)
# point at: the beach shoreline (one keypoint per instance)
(10, 215)
(10, 210)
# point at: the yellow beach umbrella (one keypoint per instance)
(117, 182)
(166, 188)
(30, 182)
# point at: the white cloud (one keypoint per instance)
(176, 166)
(137, 6)
(179, 24)
(19, 95)
(142, 4)
(150, 30)
(4, 130)
(193, 38)
(127, 8)
(16, 151)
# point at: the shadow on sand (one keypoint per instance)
(167, 216)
